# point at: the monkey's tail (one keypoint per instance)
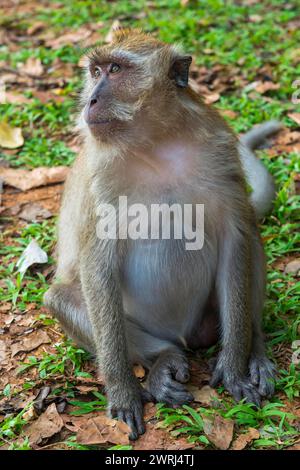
(257, 175)
(257, 136)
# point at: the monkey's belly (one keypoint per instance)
(166, 288)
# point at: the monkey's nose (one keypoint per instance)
(93, 101)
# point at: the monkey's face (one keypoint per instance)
(126, 80)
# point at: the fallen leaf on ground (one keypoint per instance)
(293, 267)
(28, 179)
(69, 38)
(204, 395)
(47, 425)
(295, 117)
(244, 439)
(84, 389)
(263, 87)
(10, 137)
(213, 98)
(158, 439)
(34, 212)
(35, 27)
(139, 371)
(287, 137)
(15, 98)
(294, 447)
(149, 411)
(2, 351)
(255, 18)
(229, 113)
(219, 431)
(101, 430)
(33, 67)
(33, 254)
(33, 341)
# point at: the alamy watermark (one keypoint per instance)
(157, 221)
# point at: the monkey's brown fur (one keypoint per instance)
(149, 137)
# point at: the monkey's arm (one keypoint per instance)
(233, 287)
(102, 294)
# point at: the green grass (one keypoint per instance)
(215, 32)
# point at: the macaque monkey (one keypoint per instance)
(148, 136)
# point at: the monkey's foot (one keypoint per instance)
(166, 379)
(127, 405)
(262, 373)
(237, 385)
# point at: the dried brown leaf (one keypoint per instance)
(33, 67)
(293, 267)
(295, 117)
(158, 439)
(46, 426)
(229, 113)
(34, 212)
(204, 395)
(28, 179)
(15, 98)
(69, 38)
(2, 352)
(212, 98)
(244, 439)
(263, 87)
(101, 429)
(35, 27)
(33, 341)
(10, 137)
(219, 431)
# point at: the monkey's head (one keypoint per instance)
(130, 84)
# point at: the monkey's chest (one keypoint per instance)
(165, 286)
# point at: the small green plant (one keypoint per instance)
(67, 360)
(84, 407)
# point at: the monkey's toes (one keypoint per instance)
(262, 374)
(243, 389)
(240, 387)
(133, 417)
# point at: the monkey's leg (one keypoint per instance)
(233, 287)
(262, 370)
(103, 294)
(67, 304)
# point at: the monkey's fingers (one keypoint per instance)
(179, 368)
(169, 391)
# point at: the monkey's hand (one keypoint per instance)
(237, 384)
(126, 403)
(166, 379)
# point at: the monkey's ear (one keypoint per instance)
(179, 71)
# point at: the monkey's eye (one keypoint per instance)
(96, 71)
(114, 68)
